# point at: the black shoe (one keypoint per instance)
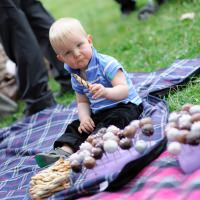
(148, 10)
(46, 159)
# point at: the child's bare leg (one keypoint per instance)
(67, 149)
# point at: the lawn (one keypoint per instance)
(141, 46)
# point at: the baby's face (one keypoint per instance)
(77, 51)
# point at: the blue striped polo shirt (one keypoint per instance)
(102, 69)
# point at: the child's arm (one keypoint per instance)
(118, 92)
(86, 123)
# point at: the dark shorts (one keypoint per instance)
(120, 116)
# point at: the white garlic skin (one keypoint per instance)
(140, 146)
(184, 121)
(173, 117)
(172, 134)
(85, 146)
(195, 109)
(112, 129)
(195, 128)
(174, 148)
(135, 123)
(109, 136)
(83, 153)
(110, 146)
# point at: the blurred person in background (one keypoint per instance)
(24, 29)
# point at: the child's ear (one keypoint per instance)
(60, 58)
(89, 37)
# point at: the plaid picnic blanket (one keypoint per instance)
(29, 136)
(161, 180)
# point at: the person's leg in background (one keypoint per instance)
(150, 8)
(126, 6)
(22, 47)
(40, 21)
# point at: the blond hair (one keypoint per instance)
(62, 30)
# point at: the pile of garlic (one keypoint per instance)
(183, 127)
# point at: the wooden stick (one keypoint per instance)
(81, 80)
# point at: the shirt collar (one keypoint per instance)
(93, 60)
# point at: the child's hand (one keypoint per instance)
(98, 90)
(87, 125)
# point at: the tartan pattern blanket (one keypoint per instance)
(161, 180)
(29, 136)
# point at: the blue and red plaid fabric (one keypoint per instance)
(29, 136)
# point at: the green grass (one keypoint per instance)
(143, 46)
